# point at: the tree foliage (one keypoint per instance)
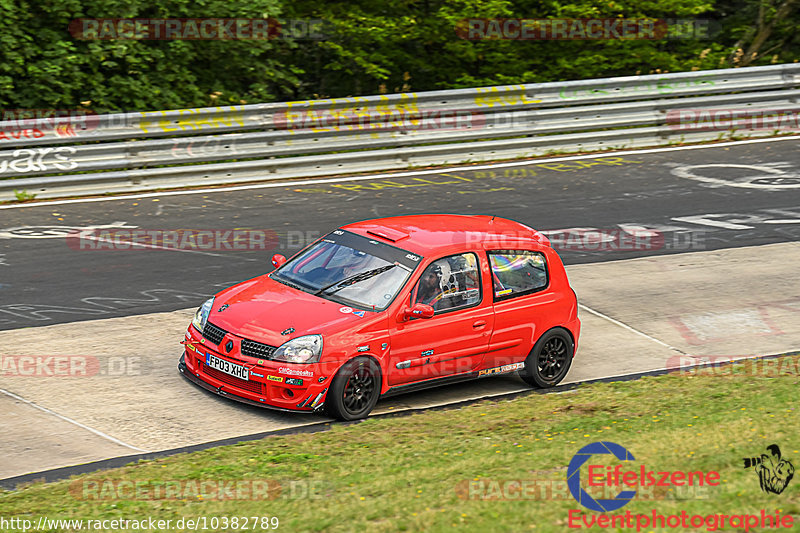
(371, 46)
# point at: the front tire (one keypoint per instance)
(355, 389)
(550, 359)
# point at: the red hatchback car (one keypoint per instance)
(387, 306)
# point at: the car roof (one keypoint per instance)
(430, 234)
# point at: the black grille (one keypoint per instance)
(213, 333)
(252, 386)
(257, 349)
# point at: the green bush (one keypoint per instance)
(372, 46)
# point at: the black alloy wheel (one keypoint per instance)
(355, 389)
(550, 359)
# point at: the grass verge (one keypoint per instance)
(413, 473)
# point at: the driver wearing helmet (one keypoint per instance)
(430, 286)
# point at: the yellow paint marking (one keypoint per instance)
(524, 172)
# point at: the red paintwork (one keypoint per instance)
(485, 336)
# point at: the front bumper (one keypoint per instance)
(274, 385)
(207, 386)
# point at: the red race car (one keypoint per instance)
(387, 306)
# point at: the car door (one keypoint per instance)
(455, 339)
(520, 283)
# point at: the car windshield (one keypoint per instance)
(350, 269)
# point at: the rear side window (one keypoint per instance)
(517, 272)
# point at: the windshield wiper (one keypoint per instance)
(289, 283)
(354, 279)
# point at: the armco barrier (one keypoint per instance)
(95, 154)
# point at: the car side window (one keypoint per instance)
(449, 283)
(517, 272)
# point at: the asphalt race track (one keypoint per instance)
(44, 281)
(721, 281)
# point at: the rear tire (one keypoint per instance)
(550, 359)
(354, 390)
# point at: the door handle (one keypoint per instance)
(478, 324)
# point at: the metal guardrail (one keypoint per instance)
(96, 154)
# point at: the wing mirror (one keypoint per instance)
(419, 310)
(278, 260)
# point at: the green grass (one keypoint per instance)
(409, 473)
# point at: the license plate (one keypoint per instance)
(229, 368)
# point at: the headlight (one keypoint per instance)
(305, 349)
(200, 317)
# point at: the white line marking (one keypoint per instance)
(71, 421)
(157, 247)
(775, 179)
(732, 359)
(223, 189)
(629, 328)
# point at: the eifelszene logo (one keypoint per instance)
(574, 476)
(625, 475)
(774, 472)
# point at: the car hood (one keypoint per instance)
(260, 309)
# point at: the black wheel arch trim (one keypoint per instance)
(569, 333)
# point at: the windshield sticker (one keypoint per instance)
(346, 310)
(359, 314)
(387, 252)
